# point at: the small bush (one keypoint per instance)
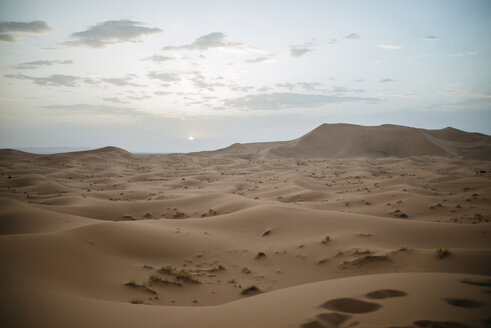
(260, 254)
(250, 290)
(219, 267)
(183, 274)
(158, 279)
(246, 270)
(442, 253)
(326, 239)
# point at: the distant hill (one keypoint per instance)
(353, 141)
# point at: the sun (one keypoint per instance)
(190, 138)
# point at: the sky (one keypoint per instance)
(181, 76)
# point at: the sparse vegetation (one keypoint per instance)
(132, 283)
(246, 270)
(442, 253)
(260, 255)
(154, 278)
(182, 275)
(219, 267)
(178, 215)
(251, 290)
(138, 301)
(326, 239)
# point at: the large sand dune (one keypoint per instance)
(347, 226)
(355, 141)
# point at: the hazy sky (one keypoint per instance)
(149, 76)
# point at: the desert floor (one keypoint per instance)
(106, 238)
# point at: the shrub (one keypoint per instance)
(260, 254)
(326, 239)
(442, 253)
(250, 290)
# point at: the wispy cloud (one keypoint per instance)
(461, 54)
(164, 76)
(386, 80)
(110, 32)
(11, 32)
(455, 54)
(316, 87)
(352, 36)
(90, 109)
(302, 49)
(57, 80)
(121, 81)
(215, 40)
(61, 80)
(390, 46)
(258, 60)
(430, 38)
(115, 100)
(289, 100)
(39, 63)
(158, 58)
(162, 93)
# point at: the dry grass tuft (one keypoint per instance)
(442, 253)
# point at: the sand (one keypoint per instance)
(290, 234)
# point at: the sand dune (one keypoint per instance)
(347, 226)
(355, 141)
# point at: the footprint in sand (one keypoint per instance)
(312, 324)
(462, 302)
(439, 324)
(477, 283)
(385, 293)
(351, 305)
(328, 320)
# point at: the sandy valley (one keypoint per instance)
(347, 226)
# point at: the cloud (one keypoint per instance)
(316, 87)
(208, 41)
(115, 100)
(386, 80)
(352, 36)
(11, 31)
(287, 100)
(139, 97)
(400, 95)
(162, 93)
(258, 60)
(120, 81)
(39, 63)
(390, 46)
(110, 32)
(430, 38)
(302, 49)
(164, 77)
(60, 80)
(462, 54)
(158, 58)
(96, 110)
(299, 52)
(57, 80)
(200, 82)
